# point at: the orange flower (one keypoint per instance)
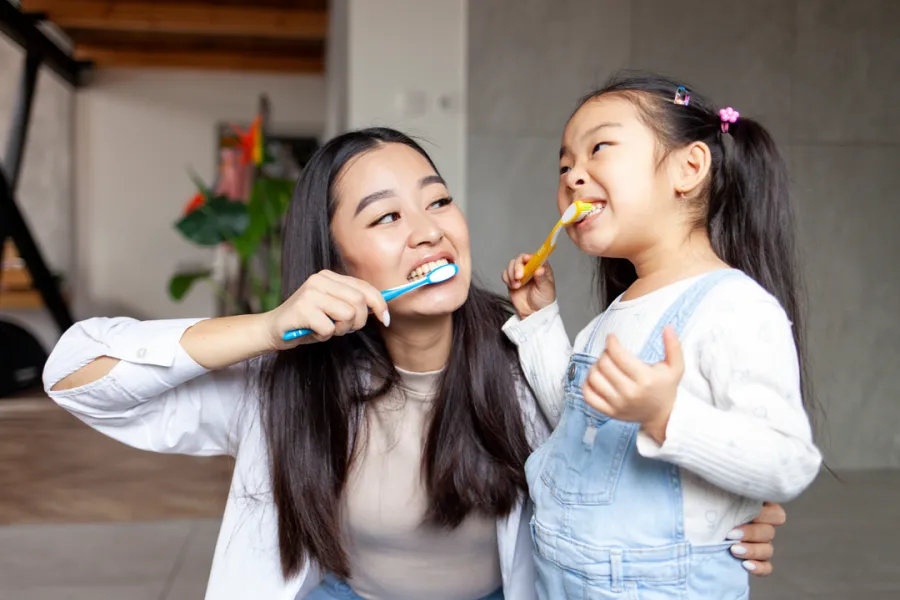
(251, 142)
(196, 201)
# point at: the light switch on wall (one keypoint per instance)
(412, 103)
(448, 103)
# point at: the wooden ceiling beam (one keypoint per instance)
(103, 56)
(190, 17)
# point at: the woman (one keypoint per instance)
(378, 457)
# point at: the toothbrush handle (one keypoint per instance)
(392, 293)
(295, 333)
(386, 294)
(539, 258)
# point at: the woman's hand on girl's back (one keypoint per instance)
(328, 303)
(753, 542)
(536, 293)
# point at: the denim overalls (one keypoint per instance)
(608, 523)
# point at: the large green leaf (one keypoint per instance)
(276, 195)
(247, 244)
(268, 202)
(219, 220)
(201, 186)
(270, 300)
(181, 283)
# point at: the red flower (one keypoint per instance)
(250, 142)
(196, 201)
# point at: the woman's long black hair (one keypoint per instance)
(312, 396)
(745, 205)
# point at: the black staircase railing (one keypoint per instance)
(39, 50)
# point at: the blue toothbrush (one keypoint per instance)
(439, 275)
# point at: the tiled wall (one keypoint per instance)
(823, 75)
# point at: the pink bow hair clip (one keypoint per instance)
(728, 116)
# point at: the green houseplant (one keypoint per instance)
(240, 216)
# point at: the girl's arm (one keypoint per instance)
(755, 439)
(544, 351)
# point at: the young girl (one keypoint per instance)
(683, 398)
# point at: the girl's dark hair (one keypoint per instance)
(744, 206)
(313, 395)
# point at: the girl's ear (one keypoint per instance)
(689, 167)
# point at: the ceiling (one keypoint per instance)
(250, 35)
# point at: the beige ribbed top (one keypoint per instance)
(392, 554)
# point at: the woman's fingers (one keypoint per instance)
(771, 514)
(760, 569)
(754, 552)
(323, 327)
(754, 533)
(358, 293)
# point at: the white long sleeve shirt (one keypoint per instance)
(738, 430)
(159, 399)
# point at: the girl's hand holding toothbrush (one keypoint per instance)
(328, 303)
(623, 387)
(536, 293)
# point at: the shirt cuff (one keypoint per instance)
(152, 360)
(148, 342)
(520, 330)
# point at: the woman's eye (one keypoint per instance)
(388, 218)
(442, 202)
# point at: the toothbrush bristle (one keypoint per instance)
(443, 273)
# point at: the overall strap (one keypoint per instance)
(681, 311)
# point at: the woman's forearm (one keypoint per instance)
(222, 342)
(91, 372)
(212, 343)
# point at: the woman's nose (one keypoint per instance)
(425, 231)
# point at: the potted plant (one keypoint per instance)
(241, 217)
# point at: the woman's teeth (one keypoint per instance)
(420, 272)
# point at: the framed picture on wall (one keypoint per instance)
(290, 152)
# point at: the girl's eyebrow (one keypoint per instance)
(563, 149)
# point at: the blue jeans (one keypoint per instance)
(333, 588)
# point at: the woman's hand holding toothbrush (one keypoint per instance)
(328, 303)
(536, 293)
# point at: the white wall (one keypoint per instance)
(397, 48)
(136, 133)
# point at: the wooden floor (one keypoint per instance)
(55, 469)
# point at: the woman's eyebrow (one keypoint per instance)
(373, 197)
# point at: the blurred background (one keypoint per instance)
(115, 114)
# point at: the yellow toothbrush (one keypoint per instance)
(575, 212)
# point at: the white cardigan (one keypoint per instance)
(159, 399)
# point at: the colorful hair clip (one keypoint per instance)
(728, 115)
(681, 96)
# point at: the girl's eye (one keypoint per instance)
(442, 202)
(563, 170)
(598, 146)
(388, 218)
